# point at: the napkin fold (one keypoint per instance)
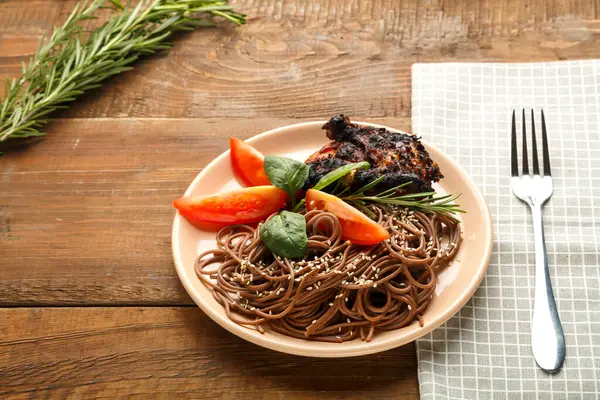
(484, 351)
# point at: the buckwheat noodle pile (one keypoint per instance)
(339, 291)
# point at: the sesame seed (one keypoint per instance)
(409, 307)
(348, 320)
(374, 285)
(270, 312)
(346, 299)
(309, 288)
(330, 304)
(338, 337)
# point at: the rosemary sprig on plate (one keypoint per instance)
(67, 65)
(427, 202)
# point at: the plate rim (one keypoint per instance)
(369, 348)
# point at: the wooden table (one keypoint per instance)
(92, 306)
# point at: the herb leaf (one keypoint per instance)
(286, 174)
(334, 176)
(427, 202)
(339, 173)
(285, 234)
(71, 62)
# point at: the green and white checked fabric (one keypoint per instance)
(484, 351)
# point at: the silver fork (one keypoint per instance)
(547, 338)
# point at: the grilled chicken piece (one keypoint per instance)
(399, 157)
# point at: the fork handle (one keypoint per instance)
(547, 337)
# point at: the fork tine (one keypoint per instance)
(545, 151)
(513, 148)
(525, 158)
(536, 165)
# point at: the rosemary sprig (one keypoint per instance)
(68, 65)
(426, 202)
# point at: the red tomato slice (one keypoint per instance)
(356, 226)
(248, 163)
(241, 206)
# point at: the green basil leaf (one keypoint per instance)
(285, 234)
(339, 173)
(286, 174)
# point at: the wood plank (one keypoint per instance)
(86, 214)
(307, 59)
(175, 353)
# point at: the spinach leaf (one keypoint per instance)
(339, 173)
(334, 176)
(286, 174)
(285, 234)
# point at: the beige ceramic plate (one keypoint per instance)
(456, 285)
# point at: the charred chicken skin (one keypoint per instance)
(399, 157)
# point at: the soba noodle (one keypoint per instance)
(339, 291)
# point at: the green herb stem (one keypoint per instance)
(425, 202)
(67, 65)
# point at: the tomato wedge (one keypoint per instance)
(248, 163)
(356, 226)
(241, 206)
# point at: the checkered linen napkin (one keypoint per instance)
(484, 351)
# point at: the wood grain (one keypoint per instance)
(86, 214)
(297, 59)
(175, 353)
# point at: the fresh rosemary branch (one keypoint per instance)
(426, 202)
(68, 65)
